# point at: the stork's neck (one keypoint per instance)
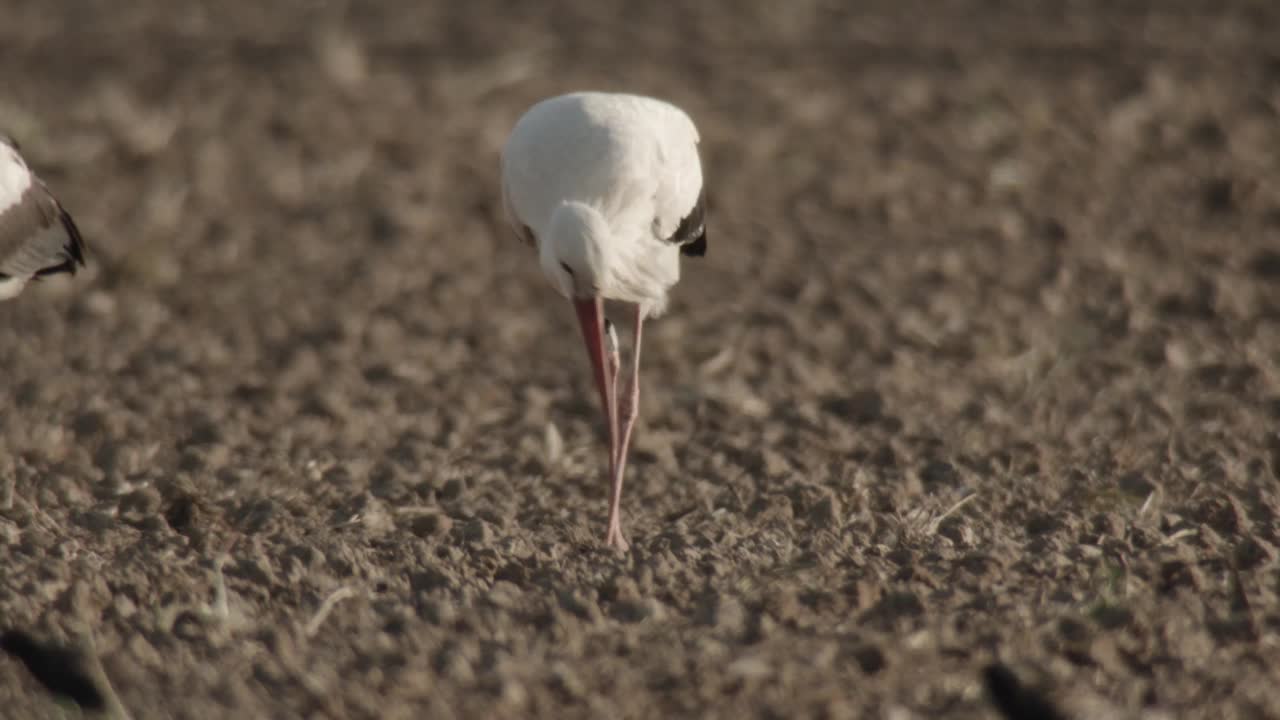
(576, 253)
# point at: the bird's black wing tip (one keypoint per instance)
(691, 234)
(697, 248)
(74, 249)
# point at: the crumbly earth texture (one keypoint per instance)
(983, 364)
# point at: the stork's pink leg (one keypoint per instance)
(613, 364)
(603, 351)
(629, 407)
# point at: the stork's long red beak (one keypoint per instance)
(591, 319)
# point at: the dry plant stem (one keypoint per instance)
(221, 609)
(326, 607)
(937, 522)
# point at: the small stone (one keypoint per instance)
(1253, 552)
(1218, 196)
(96, 521)
(566, 682)
(123, 606)
(451, 490)
(1107, 524)
(1136, 485)
(77, 601)
(1111, 617)
(428, 580)
(141, 502)
(1266, 265)
(1073, 631)
(1207, 134)
(374, 515)
(826, 512)
(750, 667)
(143, 652)
(504, 595)
(183, 513)
(476, 531)
(1223, 514)
(1176, 574)
(188, 626)
(255, 568)
(862, 407)
(581, 607)
(869, 658)
(431, 525)
(87, 424)
(1040, 523)
(937, 472)
(639, 610)
(898, 604)
(306, 556)
(725, 613)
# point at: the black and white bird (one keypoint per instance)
(608, 189)
(37, 235)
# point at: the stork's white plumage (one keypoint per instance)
(37, 235)
(608, 189)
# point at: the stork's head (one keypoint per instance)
(575, 252)
(15, 178)
(576, 256)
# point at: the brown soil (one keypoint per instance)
(983, 364)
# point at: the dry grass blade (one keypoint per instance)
(937, 521)
(553, 442)
(326, 607)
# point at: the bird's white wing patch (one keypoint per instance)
(15, 178)
(679, 172)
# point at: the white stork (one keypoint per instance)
(37, 235)
(608, 188)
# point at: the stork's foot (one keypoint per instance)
(614, 538)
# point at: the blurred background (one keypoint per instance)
(260, 183)
(1019, 249)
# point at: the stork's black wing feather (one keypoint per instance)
(691, 234)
